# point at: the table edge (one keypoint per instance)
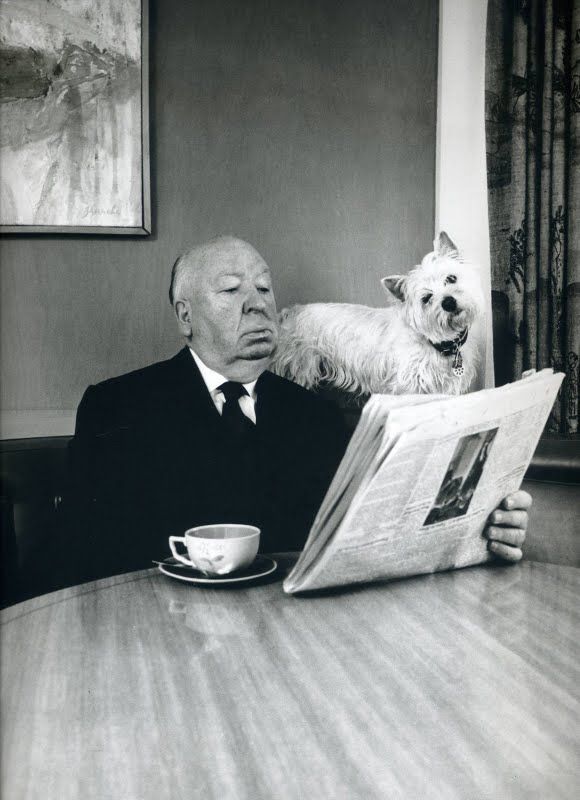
(18, 610)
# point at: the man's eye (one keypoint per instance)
(451, 279)
(426, 297)
(230, 290)
(263, 289)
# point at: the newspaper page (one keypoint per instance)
(422, 500)
(368, 446)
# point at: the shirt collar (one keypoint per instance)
(213, 380)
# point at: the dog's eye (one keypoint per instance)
(426, 298)
(451, 279)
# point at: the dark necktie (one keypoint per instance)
(232, 414)
(240, 498)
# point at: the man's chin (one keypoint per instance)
(249, 363)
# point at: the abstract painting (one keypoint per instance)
(74, 146)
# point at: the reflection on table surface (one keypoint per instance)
(457, 685)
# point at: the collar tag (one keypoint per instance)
(458, 368)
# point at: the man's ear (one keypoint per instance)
(443, 246)
(395, 285)
(182, 310)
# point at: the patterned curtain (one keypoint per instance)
(533, 159)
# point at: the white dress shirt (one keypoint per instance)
(213, 380)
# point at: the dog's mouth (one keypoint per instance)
(458, 319)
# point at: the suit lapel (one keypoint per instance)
(271, 407)
(265, 402)
(193, 400)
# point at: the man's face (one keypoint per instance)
(234, 327)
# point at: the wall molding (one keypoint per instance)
(461, 170)
(34, 424)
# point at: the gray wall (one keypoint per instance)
(304, 126)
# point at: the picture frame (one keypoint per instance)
(74, 127)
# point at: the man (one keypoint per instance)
(210, 435)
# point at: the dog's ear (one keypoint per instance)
(443, 246)
(395, 285)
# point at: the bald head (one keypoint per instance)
(222, 297)
(204, 257)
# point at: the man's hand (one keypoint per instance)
(506, 530)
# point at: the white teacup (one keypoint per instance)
(218, 549)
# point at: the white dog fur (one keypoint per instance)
(409, 347)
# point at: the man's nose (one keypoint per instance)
(254, 301)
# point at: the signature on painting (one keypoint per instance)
(97, 211)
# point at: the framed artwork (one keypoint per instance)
(74, 117)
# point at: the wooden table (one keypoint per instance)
(460, 685)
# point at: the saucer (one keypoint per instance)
(259, 568)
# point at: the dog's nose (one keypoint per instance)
(449, 303)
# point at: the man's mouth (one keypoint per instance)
(258, 344)
(260, 333)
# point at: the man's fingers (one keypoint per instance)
(510, 536)
(511, 519)
(507, 532)
(505, 552)
(519, 499)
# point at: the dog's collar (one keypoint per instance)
(451, 346)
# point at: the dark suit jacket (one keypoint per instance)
(151, 456)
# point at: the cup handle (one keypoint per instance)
(176, 555)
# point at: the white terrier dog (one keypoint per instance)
(418, 345)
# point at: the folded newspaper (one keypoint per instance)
(419, 479)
